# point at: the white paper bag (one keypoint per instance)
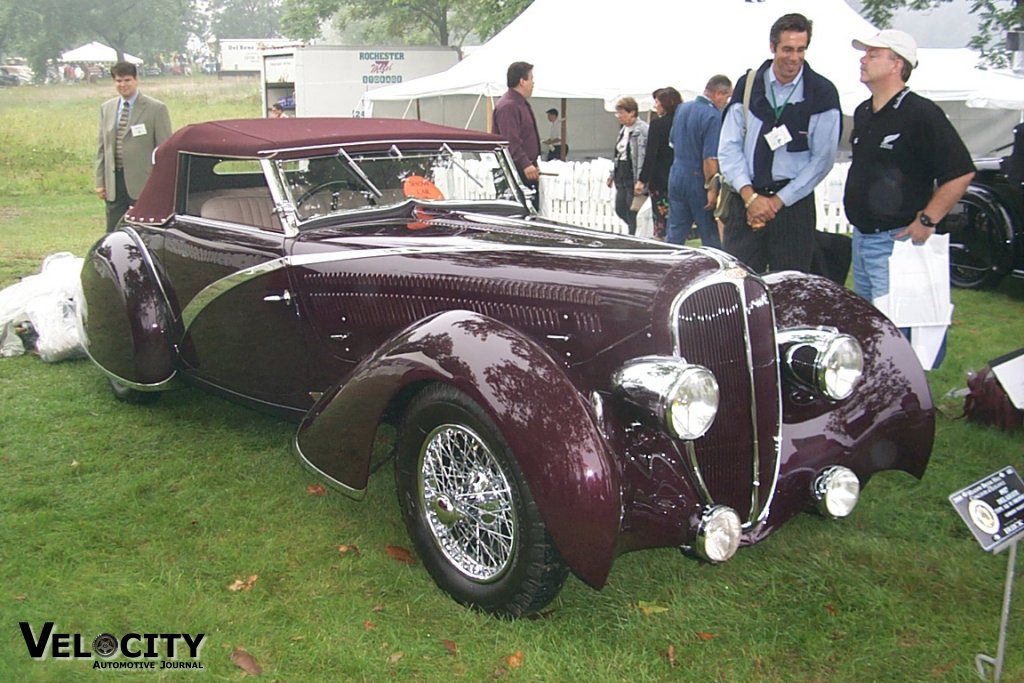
(919, 294)
(919, 283)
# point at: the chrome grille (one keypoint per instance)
(727, 325)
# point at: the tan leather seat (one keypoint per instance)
(255, 211)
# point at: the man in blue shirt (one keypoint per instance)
(692, 181)
(776, 157)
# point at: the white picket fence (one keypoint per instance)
(577, 192)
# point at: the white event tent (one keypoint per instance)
(589, 54)
(95, 52)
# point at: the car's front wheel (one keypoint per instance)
(469, 511)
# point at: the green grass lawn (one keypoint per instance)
(118, 518)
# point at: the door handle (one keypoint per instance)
(285, 296)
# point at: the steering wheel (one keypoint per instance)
(318, 188)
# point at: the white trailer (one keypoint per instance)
(330, 80)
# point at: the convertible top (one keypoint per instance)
(288, 138)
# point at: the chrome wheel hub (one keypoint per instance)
(467, 502)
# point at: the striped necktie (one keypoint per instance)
(122, 129)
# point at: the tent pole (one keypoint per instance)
(473, 113)
(407, 108)
(419, 114)
(489, 108)
(565, 143)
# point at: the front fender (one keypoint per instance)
(888, 422)
(539, 412)
(125, 317)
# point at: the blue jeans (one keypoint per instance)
(871, 270)
(686, 200)
(871, 262)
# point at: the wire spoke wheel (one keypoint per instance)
(468, 502)
(469, 510)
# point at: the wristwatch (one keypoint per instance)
(926, 221)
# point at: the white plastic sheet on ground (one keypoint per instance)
(919, 294)
(47, 301)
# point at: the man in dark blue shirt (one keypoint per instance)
(693, 179)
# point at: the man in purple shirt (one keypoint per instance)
(514, 120)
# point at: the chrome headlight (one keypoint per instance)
(823, 359)
(836, 491)
(718, 534)
(683, 396)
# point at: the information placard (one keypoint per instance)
(993, 509)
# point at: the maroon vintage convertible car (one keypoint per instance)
(561, 395)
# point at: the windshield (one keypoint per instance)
(323, 185)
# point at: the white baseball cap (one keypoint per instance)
(899, 42)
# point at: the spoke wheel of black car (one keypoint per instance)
(469, 511)
(133, 396)
(976, 244)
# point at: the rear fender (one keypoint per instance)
(125, 317)
(539, 412)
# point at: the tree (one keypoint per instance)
(995, 18)
(439, 22)
(245, 18)
(42, 29)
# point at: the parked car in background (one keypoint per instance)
(561, 396)
(986, 227)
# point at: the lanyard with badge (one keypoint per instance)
(779, 135)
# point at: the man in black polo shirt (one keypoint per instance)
(910, 166)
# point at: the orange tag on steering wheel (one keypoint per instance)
(418, 187)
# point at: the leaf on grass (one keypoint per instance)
(514, 660)
(649, 608)
(21, 597)
(451, 646)
(397, 552)
(348, 548)
(316, 490)
(830, 608)
(395, 657)
(369, 625)
(499, 672)
(243, 584)
(704, 635)
(670, 655)
(378, 608)
(74, 463)
(245, 661)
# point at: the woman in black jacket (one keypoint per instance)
(658, 160)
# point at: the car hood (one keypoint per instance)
(566, 286)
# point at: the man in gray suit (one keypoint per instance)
(131, 127)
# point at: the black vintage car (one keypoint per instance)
(986, 227)
(561, 395)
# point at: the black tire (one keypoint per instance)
(976, 243)
(458, 482)
(133, 396)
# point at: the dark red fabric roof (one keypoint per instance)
(283, 139)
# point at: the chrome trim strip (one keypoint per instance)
(282, 204)
(163, 385)
(756, 440)
(691, 451)
(270, 153)
(357, 494)
(216, 289)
